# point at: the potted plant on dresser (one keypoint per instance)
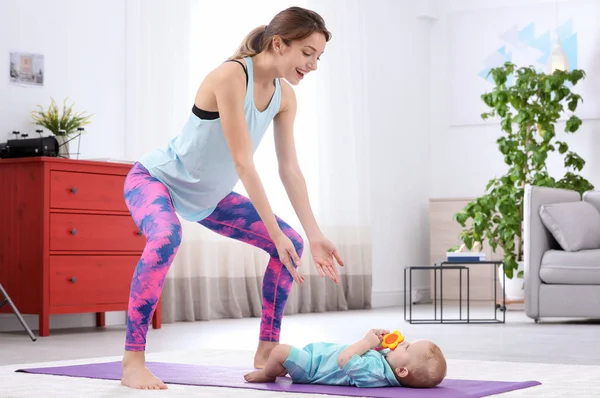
(528, 111)
(65, 126)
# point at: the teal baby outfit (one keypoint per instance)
(317, 363)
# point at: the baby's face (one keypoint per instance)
(408, 353)
(419, 363)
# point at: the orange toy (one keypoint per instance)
(391, 340)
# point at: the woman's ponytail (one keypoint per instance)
(252, 43)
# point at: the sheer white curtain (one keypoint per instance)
(343, 131)
(212, 276)
(157, 62)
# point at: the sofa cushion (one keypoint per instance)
(571, 268)
(574, 225)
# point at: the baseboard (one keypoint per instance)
(394, 298)
(387, 299)
(10, 323)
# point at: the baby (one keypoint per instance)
(418, 364)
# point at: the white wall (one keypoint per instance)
(82, 43)
(84, 48)
(465, 158)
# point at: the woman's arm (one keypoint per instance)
(230, 91)
(289, 169)
(323, 250)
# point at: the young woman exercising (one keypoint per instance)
(194, 174)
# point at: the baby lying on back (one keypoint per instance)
(419, 364)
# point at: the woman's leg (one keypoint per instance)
(273, 368)
(152, 210)
(236, 217)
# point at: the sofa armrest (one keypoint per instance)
(537, 239)
(592, 197)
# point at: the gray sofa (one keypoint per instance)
(561, 253)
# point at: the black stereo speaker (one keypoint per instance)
(28, 147)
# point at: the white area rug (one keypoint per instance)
(557, 380)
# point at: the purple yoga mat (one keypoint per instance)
(221, 376)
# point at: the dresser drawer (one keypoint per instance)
(86, 191)
(88, 280)
(94, 232)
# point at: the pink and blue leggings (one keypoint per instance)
(152, 210)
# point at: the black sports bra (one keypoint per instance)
(211, 115)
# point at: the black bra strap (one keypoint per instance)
(210, 115)
(243, 66)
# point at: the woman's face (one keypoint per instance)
(300, 57)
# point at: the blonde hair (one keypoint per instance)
(429, 372)
(294, 23)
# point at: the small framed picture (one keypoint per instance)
(26, 69)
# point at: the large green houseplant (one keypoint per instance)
(529, 110)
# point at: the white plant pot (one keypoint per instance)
(63, 146)
(514, 287)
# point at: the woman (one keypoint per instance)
(195, 173)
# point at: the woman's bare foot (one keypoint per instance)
(258, 376)
(262, 353)
(136, 374)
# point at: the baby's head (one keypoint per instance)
(418, 364)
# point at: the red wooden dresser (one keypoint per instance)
(67, 241)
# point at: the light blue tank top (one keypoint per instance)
(196, 165)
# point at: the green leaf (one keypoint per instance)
(562, 147)
(468, 241)
(575, 161)
(488, 99)
(548, 85)
(510, 68)
(461, 218)
(506, 124)
(515, 100)
(573, 102)
(573, 124)
(576, 75)
(499, 75)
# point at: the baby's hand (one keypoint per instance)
(381, 332)
(375, 336)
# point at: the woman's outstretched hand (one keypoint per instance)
(287, 253)
(324, 252)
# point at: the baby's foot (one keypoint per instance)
(141, 378)
(258, 376)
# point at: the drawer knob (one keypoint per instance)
(72, 279)
(73, 190)
(73, 231)
(139, 233)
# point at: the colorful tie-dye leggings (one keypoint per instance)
(152, 210)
